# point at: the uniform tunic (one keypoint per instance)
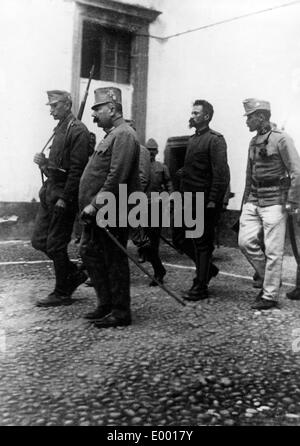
(138, 235)
(144, 168)
(272, 175)
(206, 170)
(67, 159)
(115, 162)
(205, 165)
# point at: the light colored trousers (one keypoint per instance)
(271, 221)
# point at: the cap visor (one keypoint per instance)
(52, 102)
(98, 104)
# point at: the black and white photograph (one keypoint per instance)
(150, 215)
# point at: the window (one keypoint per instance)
(110, 51)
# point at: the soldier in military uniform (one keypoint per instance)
(138, 235)
(144, 166)
(115, 162)
(59, 196)
(272, 189)
(159, 181)
(205, 170)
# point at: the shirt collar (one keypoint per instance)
(202, 131)
(265, 130)
(118, 121)
(64, 122)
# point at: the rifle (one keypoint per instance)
(83, 102)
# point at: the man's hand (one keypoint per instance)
(211, 205)
(88, 213)
(40, 159)
(60, 207)
(60, 203)
(291, 208)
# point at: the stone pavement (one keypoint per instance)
(211, 363)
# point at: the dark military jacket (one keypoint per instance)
(205, 166)
(67, 158)
(144, 168)
(159, 178)
(115, 161)
(273, 170)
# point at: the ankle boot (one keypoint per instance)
(294, 294)
(62, 268)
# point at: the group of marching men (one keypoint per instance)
(78, 178)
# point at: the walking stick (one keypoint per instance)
(162, 286)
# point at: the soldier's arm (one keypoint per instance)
(167, 180)
(124, 151)
(248, 180)
(144, 168)
(220, 169)
(79, 155)
(291, 160)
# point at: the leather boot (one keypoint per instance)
(101, 285)
(294, 294)
(195, 294)
(97, 314)
(61, 294)
(75, 279)
(213, 272)
(62, 268)
(203, 270)
(159, 276)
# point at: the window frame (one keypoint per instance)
(102, 35)
(119, 16)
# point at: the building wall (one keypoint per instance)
(36, 50)
(36, 56)
(256, 56)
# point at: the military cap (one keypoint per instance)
(104, 95)
(55, 96)
(151, 144)
(251, 105)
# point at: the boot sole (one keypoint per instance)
(57, 304)
(122, 324)
(192, 299)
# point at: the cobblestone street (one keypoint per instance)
(211, 363)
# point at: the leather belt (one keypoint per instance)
(266, 183)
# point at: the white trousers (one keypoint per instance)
(269, 222)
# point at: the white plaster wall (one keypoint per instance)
(256, 56)
(36, 55)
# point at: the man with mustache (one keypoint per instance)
(59, 197)
(205, 170)
(115, 162)
(272, 189)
